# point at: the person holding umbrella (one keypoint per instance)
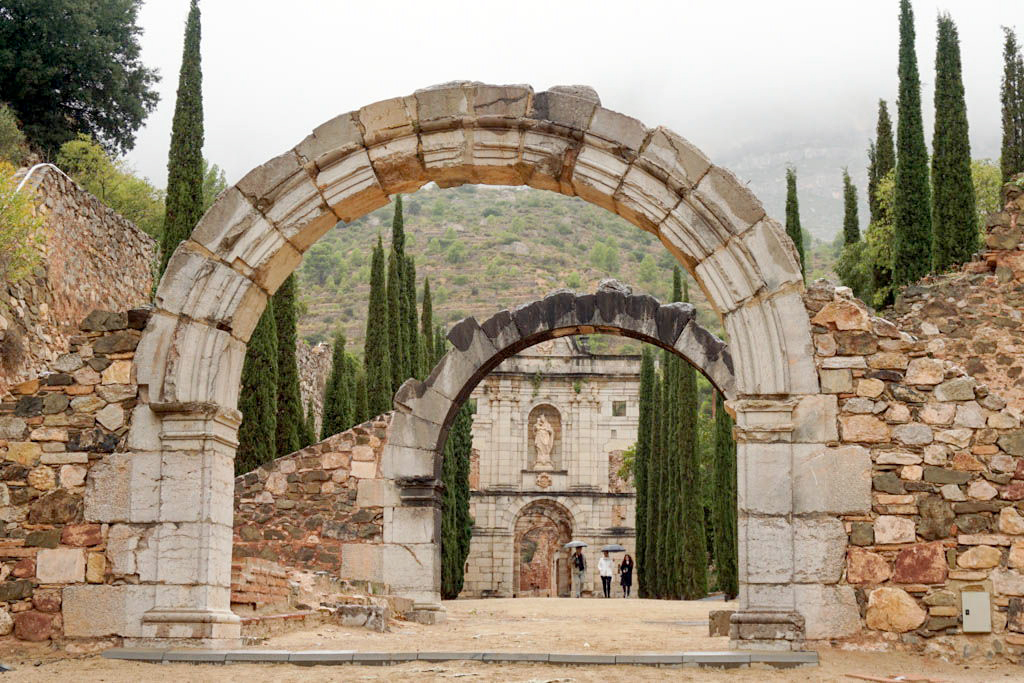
(624, 580)
(579, 565)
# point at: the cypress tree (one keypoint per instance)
(883, 159)
(954, 212)
(793, 216)
(378, 351)
(427, 329)
(258, 397)
(362, 403)
(655, 477)
(289, 397)
(440, 344)
(184, 202)
(456, 524)
(726, 559)
(673, 525)
(642, 461)
(411, 331)
(339, 409)
(912, 216)
(693, 545)
(396, 294)
(851, 222)
(1012, 101)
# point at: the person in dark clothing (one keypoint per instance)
(626, 575)
(579, 570)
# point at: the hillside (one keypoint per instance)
(484, 249)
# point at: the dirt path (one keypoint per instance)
(539, 625)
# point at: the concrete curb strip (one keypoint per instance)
(332, 657)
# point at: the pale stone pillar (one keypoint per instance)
(768, 616)
(411, 549)
(194, 498)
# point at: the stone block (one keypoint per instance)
(104, 610)
(893, 610)
(60, 566)
(376, 493)
(921, 563)
(770, 541)
(831, 480)
(863, 429)
(331, 140)
(403, 461)
(819, 549)
(864, 567)
(764, 475)
(729, 200)
(404, 525)
(814, 419)
(891, 529)
(828, 611)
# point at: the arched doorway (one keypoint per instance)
(541, 530)
(217, 284)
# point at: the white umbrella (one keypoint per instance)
(575, 544)
(613, 548)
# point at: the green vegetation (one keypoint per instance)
(70, 67)
(290, 420)
(185, 160)
(953, 207)
(641, 463)
(339, 407)
(12, 140)
(257, 435)
(724, 504)
(21, 234)
(456, 523)
(851, 222)
(1012, 100)
(378, 352)
(114, 183)
(882, 158)
(912, 214)
(793, 217)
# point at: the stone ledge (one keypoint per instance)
(725, 659)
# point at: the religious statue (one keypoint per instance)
(544, 440)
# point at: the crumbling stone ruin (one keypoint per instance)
(879, 480)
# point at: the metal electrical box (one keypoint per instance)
(977, 611)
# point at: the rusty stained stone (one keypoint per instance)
(923, 563)
(864, 567)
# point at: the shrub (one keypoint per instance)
(12, 141)
(21, 233)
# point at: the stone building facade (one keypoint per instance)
(550, 427)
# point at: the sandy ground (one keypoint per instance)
(537, 625)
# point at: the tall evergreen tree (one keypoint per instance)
(693, 545)
(882, 161)
(396, 331)
(793, 228)
(378, 351)
(427, 328)
(1012, 101)
(655, 477)
(362, 412)
(954, 212)
(289, 397)
(642, 462)
(726, 559)
(440, 344)
(456, 523)
(912, 215)
(339, 406)
(257, 399)
(184, 203)
(851, 221)
(409, 324)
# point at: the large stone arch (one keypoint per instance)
(253, 237)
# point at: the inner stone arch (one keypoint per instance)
(218, 281)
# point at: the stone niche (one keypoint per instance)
(544, 418)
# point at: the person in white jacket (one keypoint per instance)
(605, 567)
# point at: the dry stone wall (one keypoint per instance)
(57, 435)
(321, 508)
(947, 485)
(92, 258)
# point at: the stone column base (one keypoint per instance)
(766, 630)
(427, 613)
(189, 628)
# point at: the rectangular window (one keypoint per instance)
(618, 409)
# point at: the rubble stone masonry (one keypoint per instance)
(93, 258)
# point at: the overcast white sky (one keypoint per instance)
(723, 74)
